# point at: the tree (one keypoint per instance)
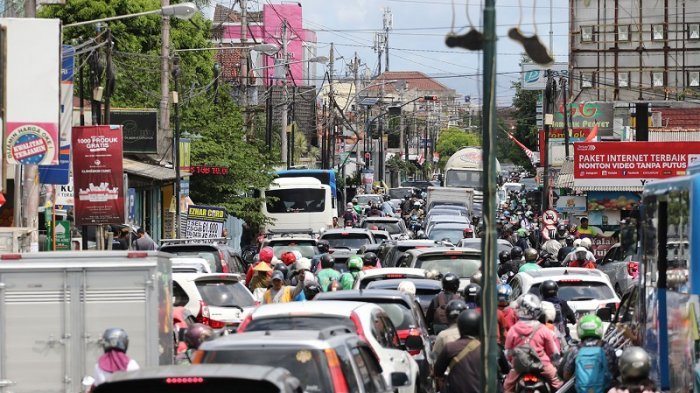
(453, 139)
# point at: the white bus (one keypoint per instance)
(299, 204)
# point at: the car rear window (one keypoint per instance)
(400, 315)
(452, 235)
(224, 293)
(347, 240)
(461, 265)
(212, 257)
(309, 366)
(307, 249)
(391, 227)
(579, 290)
(298, 323)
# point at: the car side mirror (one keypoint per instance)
(605, 314)
(413, 343)
(399, 379)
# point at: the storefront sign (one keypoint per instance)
(612, 200)
(205, 222)
(140, 129)
(583, 116)
(64, 194)
(631, 163)
(97, 175)
(601, 246)
(571, 204)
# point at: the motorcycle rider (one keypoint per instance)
(387, 207)
(567, 249)
(562, 234)
(265, 255)
(634, 365)
(505, 314)
(356, 206)
(114, 342)
(369, 261)
(417, 210)
(581, 257)
(528, 330)
(503, 257)
(510, 268)
(195, 335)
(311, 289)
(375, 211)
(347, 279)
(436, 315)
(327, 274)
(530, 261)
(461, 359)
(472, 296)
(454, 309)
(590, 332)
(350, 214)
(549, 290)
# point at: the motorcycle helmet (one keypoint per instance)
(355, 201)
(469, 323)
(561, 231)
(349, 205)
(266, 254)
(586, 243)
(115, 338)
(288, 258)
(570, 241)
(504, 256)
(503, 292)
(369, 259)
(281, 267)
(323, 246)
(327, 261)
(472, 294)
(416, 205)
(529, 307)
(311, 289)
(198, 333)
(450, 282)
(516, 253)
(530, 254)
(634, 364)
(355, 263)
(581, 253)
(303, 264)
(548, 289)
(590, 326)
(454, 308)
(549, 313)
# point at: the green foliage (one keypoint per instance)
(453, 139)
(395, 163)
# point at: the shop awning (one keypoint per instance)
(150, 171)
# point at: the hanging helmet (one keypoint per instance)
(469, 323)
(472, 294)
(634, 364)
(323, 246)
(288, 258)
(369, 259)
(516, 253)
(549, 313)
(503, 292)
(311, 289)
(450, 282)
(454, 308)
(327, 261)
(504, 256)
(266, 254)
(581, 253)
(198, 333)
(548, 289)
(355, 263)
(590, 326)
(115, 338)
(530, 254)
(529, 307)
(281, 267)
(407, 287)
(586, 242)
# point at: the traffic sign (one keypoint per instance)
(550, 217)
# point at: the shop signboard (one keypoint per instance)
(534, 76)
(601, 245)
(205, 222)
(613, 200)
(631, 163)
(583, 116)
(571, 204)
(140, 129)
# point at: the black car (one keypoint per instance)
(213, 253)
(392, 252)
(426, 289)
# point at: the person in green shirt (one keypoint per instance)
(530, 255)
(327, 275)
(347, 279)
(357, 207)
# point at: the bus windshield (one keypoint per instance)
(463, 178)
(301, 200)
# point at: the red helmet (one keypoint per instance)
(266, 254)
(288, 258)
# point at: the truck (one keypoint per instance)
(450, 196)
(465, 168)
(54, 307)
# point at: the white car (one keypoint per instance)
(364, 277)
(219, 300)
(368, 320)
(190, 265)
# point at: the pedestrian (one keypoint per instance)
(280, 293)
(143, 242)
(115, 343)
(460, 361)
(436, 315)
(583, 230)
(451, 333)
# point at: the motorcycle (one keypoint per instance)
(532, 383)
(546, 259)
(414, 223)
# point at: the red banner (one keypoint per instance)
(631, 163)
(97, 175)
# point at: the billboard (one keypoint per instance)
(97, 175)
(205, 222)
(32, 109)
(140, 129)
(534, 76)
(583, 116)
(631, 163)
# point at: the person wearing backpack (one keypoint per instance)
(549, 290)
(592, 361)
(436, 315)
(530, 346)
(460, 361)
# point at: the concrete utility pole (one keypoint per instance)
(285, 65)
(379, 48)
(331, 108)
(244, 66)
(388, 25)
(164, 76)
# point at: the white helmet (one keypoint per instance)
(349, 205)
(577, 242)
(303, 264)
(407, 287)
(529, 307)
(586, 242)
(550, 313)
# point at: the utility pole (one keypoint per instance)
(110, 81)
(164, 114)
(380, 141)
(562, 81)
(176, 145)
(331, 107)
(244, 67)
(549, 94)
(379, 48)
(283, 135)
(388, 25)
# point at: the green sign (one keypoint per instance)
(63, 242)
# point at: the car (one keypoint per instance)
(281, 243)
(391, 253)
(475, 243)
(585, 290)
(451, 209)
(621, 269)
(426, 289)
(380, 235)
(406, 315)
(364, 277)
(452, 232)
(190, 265)
(365, 201)
(330, 360)
(394, 225)
(367, 320)
(440, 219)
(463, 262)
(218, 300)
(350, 239)
(203, 378)
(234, 260)
(399, 193)
(209, 251)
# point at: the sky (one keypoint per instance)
(417, 41)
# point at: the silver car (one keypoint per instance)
(620, 268)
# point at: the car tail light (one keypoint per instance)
(10, 257)
(530, 378)
(633, 269)
(340, 385)
(203, 316)
(244, 324)
(141, 254)
(571, 280)
(358, 326)
(388, 276)
(181, 380)
(403, 334)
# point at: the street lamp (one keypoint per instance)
(182, 11)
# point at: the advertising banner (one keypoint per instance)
(534, 75)
(583, 116)
(140, 129)
(97, 175)
(620, 200)
(601, 246)
(571, 204)
(64, 194)
(631, 163)
(205, 222)
(33, 59)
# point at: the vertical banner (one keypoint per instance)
(185, 163)
(32, 109)
(97, 175)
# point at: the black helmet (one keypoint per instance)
(323, 246)
(198, 333)
(504, 256)
(549, 289)
(283, 268)
(327, 261)
(454, 308)
(530, 254)
(450, 282)
(469, 323)
(516, 253)
(562, 230)
(115, 338)
(311, 289)
(369, 259)
(472, 294)
(569, 241)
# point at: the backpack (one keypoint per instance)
(592, 374)
(525, 358)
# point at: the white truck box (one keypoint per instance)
(54, 307)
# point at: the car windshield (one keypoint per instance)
(399, 193)
(368, 199)
(400, 315)
(211, 257)
(392, 227)
(454, 235)
(579, 290)
(461, 265)
(476, 244)
(307, 248)
(298, 323)
(309, 366)
(224, 293)
(301, 200)
(462, 178)
(347, 240)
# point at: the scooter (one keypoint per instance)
(532, 383)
